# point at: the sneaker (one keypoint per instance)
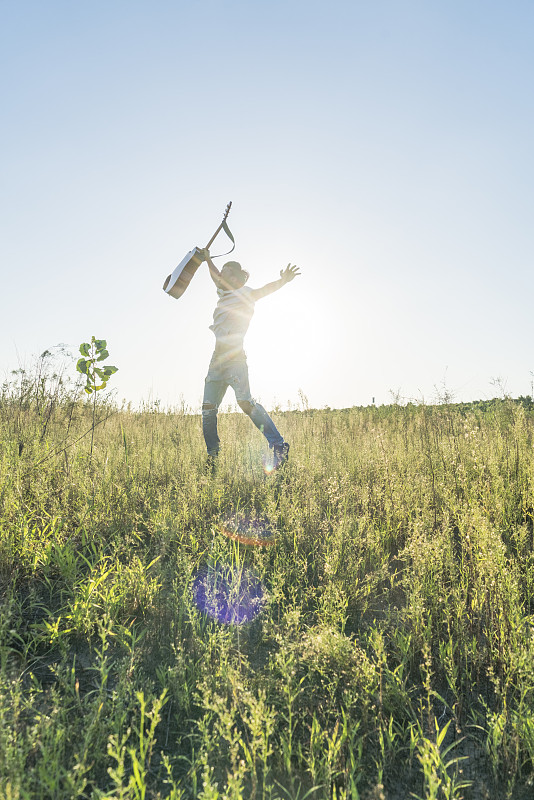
(280, 455)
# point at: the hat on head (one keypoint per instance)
(236, 269)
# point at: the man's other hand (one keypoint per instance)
(290, 272)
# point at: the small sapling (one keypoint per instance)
(94, 351)
(96, 377)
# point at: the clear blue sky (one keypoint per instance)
(384, 147)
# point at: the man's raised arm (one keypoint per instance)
(214, 272)
(286, 275)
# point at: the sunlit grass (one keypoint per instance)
(392, 651)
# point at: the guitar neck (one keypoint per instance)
(219, 229)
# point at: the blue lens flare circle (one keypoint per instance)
(228, 594)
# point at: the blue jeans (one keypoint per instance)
(229, 368)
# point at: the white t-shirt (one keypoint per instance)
(232, 315)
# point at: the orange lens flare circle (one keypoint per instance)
(248, 530)
(247, 538)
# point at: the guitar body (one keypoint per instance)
(180, 278)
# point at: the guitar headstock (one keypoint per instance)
(221, 226)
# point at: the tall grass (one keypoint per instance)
(391, 653)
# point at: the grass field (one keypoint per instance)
(382, 647)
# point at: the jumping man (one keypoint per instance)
(228, 365)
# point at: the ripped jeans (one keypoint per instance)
(229, 368)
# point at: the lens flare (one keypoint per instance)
(229, 594)
(268, 464)
(248, 531)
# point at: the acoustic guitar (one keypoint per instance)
(178, 281)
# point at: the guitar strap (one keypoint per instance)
(229, 233)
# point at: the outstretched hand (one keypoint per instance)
(290, 272)
(204, 252)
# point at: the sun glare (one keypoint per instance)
(287, 346)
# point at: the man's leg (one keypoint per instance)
(209, 428)
(262, 421)
(214, 390)
(237, 377)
